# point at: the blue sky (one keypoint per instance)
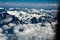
(30, 1)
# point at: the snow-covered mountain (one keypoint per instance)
(27, 23)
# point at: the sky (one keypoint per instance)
(30, 1)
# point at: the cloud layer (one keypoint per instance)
(28, 4)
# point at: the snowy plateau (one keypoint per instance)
(27, 24)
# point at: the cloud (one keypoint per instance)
(28, 4)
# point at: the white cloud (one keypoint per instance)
(28, 4)
(1, 30)
(5, 27)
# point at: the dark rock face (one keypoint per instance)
(42, 19)
(21, 29)
(10, 31)
(34, 20)
(2, 10)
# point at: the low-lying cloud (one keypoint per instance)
(28, 4)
